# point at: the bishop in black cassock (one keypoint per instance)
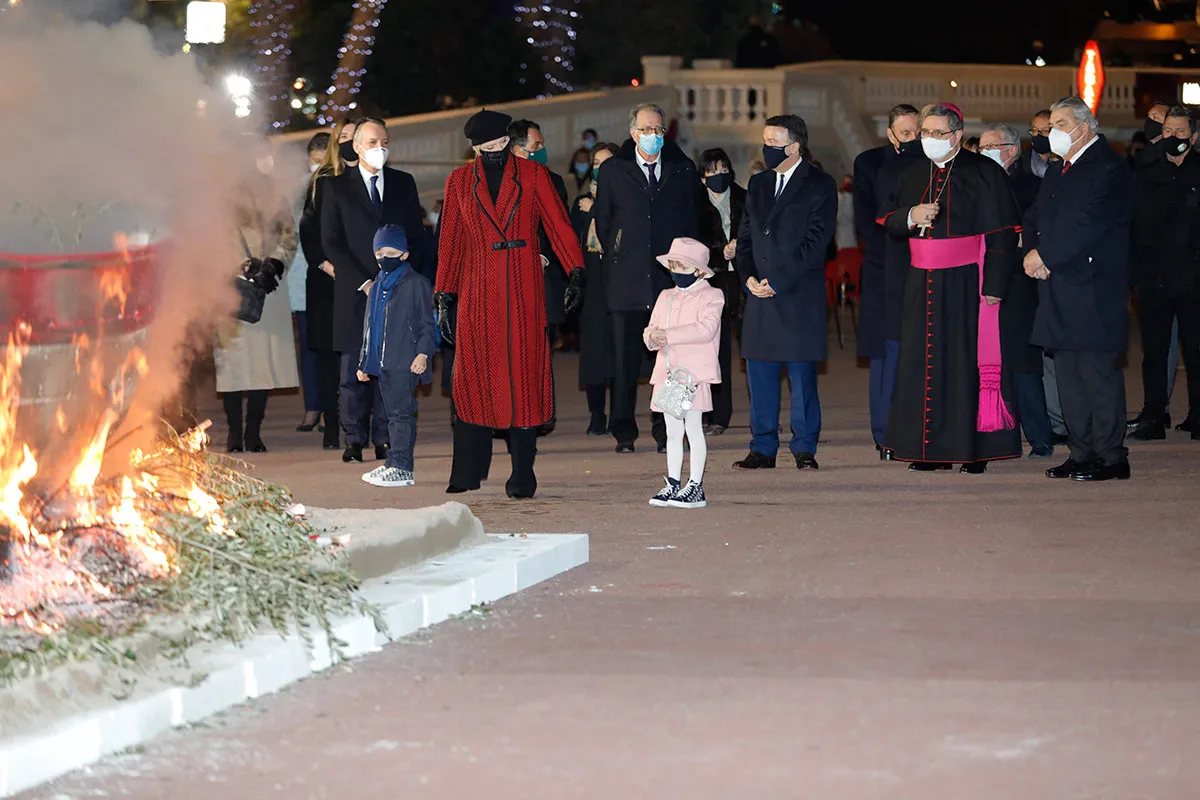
(952, 398)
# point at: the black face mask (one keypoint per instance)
(719, 183)
(774, 156)
(346, 151)
(911, 148)
(1175, 146)
(684, 281)
(494, 158)
(391, 263)
(1041, 144)
(1152, 129)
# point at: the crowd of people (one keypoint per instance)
(994, 292)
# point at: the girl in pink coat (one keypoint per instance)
(685, 329)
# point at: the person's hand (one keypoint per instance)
(445, 311)
(585, 204)
(760, 288)
(420, 363)
(574, 294)
(658, 336)
(327, 268)
(1035, 267)
(363, 377)
(730, 250)
(991, 301)
(545, 261)
(366, 289)
(925, 213)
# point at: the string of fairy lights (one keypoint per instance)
(270, 34)
(551, 34)
(352, 60)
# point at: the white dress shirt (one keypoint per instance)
(782, 178)
(644, 164)
(1083, 150)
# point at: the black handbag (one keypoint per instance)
(253, 296)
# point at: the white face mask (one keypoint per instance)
(376, 157)
(936, 149)
(313, 167)
(995, 155)
(433, 217)
(1060, 141)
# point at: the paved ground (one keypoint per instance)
(861, 632)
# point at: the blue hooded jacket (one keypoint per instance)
(399, 321)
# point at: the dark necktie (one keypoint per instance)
(652, 177)
(376, 200)
(1066, 166)
(779, 186)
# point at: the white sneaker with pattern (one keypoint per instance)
(389, 476)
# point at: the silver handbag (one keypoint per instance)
(677, 393)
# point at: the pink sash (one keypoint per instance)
(948, 253)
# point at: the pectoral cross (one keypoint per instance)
(923, 231)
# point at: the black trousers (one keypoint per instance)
(1092, 390)
(1156, 312)
(251, 423)
(629, 356)
(328, 381)
(473, 458)
(722, 393)
(359, 400)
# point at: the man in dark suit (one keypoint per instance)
(646, 197)
(355, 204)
(791, 211)
(526, 141)
(1002, 144)
(875, 172)
(1078, 243)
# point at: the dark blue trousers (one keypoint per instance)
(308, 365)
(883, 383)
(765, 391)
(398, 388)
(1032, 410)
(358, 400)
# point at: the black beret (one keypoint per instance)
(486, 126)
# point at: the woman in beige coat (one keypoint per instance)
(253, 359)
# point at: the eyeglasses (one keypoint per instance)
(998, 146)
(936, 134)
(1039, 131)
(653, 131)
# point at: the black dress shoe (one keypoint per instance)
(885, 454)
(598, 426)
(1066, 469)
(331, 446)
(755, 460)
(927, 466)
(381, 452)
(1059, 438)
(547, 429)
(662, 447)
(624, 448)
(973, 468)
(1102, 472)
(352, 453)
(1148, 431)
(1188, 425)
(255, 445)
(1140, 418)
(452, 489)
(806, 461)
(234, 447)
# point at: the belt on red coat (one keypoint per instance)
(930, 254)
(509, 245)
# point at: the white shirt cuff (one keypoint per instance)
(911, 224)
(363, 286)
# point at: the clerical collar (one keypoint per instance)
(942, 164)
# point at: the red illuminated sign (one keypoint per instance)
(1090, 79)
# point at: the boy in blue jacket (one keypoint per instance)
(397, 344)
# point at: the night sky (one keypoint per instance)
(981, 32)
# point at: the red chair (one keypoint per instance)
(848, 283)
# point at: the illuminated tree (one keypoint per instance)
(550, 32)
(342, 95)
(270, 36)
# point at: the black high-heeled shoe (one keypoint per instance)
(311, 418)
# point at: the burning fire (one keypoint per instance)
(64, 548)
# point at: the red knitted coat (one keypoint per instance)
(488, 256)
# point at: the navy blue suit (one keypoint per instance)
(784, 241)
(1080, 228)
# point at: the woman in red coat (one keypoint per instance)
(492, 303)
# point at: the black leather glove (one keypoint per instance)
(574, 293)
(445, 303)
(263, 274)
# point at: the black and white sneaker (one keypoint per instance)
(690, 496)
(665, 494)
(388, 477)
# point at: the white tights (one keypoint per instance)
(693, 426)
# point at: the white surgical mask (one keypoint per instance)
(376, 157)
(995, 155)
(433, 217)
(936, 149)
(1060, 141)
(313, 167)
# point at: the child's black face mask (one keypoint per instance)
(391, 263)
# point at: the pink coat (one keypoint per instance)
(693, 332)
